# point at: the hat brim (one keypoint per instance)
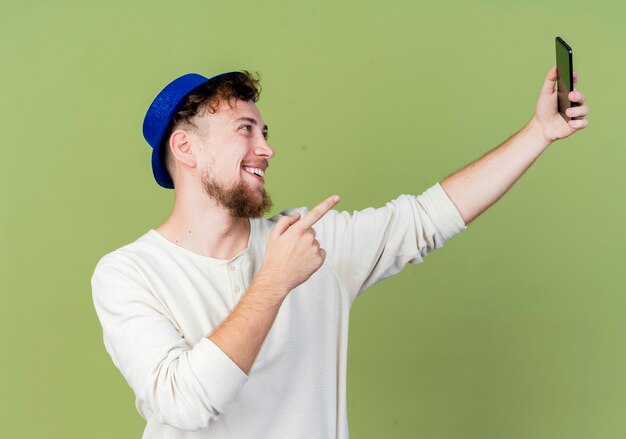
(159, 170)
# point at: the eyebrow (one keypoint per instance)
(251, 120)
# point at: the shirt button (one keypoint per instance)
(232, 268)
(236, 288)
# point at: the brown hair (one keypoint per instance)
(207, 97)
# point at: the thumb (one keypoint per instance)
(548, 84)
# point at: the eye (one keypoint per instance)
(247, 127)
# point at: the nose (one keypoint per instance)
(263, 149)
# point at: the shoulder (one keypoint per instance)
(145, 247)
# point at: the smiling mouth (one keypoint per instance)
(256, 172)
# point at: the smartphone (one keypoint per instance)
(565, 77)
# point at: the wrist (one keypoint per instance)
(536, 131)
(270, 284)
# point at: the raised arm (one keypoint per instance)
(480, 184)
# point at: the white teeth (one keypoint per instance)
(256, 171)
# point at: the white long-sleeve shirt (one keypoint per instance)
(157, 303)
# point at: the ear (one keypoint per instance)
(180, 148)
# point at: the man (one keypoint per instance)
(227, 325)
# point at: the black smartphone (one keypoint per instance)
(565, 77)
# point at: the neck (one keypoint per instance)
(197, 223)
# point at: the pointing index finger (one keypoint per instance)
(318, 212)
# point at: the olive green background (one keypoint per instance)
(514, 330)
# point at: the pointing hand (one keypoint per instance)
(293, 254)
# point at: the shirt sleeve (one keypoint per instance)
(370, 245)
(183, 386)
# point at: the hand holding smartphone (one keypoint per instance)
(565, 77)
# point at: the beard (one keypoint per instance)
(237, 198)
